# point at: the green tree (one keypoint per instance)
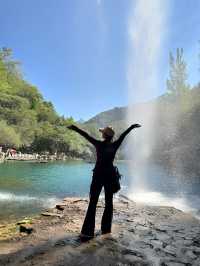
(177, 82)
(12, 66)
(8, 136)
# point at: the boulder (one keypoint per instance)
(52, 214)
(26, 229)
(60, 207)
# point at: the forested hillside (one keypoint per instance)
(27, 121)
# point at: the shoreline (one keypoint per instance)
(42, 161)
(141, 235)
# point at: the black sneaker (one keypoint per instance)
(105, 232)
(85, 238)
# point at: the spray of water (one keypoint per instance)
(145, 33)
(26, 199)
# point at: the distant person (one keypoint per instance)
(102, 176)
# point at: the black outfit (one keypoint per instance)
(102, 174)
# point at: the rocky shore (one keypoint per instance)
(142, 235)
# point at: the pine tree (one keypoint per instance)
(177, 82)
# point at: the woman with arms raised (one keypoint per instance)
(102, 177)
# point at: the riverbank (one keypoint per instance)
(13, 155)
(41, 159)
(142, 235)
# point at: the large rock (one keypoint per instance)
(28, 229)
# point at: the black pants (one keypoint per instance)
(106, 222)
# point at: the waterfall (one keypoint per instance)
(146, 24)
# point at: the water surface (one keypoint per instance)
(28, 188)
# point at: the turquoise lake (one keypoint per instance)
(27, 188)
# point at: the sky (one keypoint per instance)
(76, 51)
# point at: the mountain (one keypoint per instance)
(108, 117)
(115, 117)
(80, 121)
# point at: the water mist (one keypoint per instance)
(145, 33)
(150, 184)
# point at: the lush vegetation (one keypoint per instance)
(27, 121)
(178, 115)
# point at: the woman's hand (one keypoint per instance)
(136, 125)
(72, 127)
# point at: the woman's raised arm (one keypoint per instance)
(124, 134)
(84, 134)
